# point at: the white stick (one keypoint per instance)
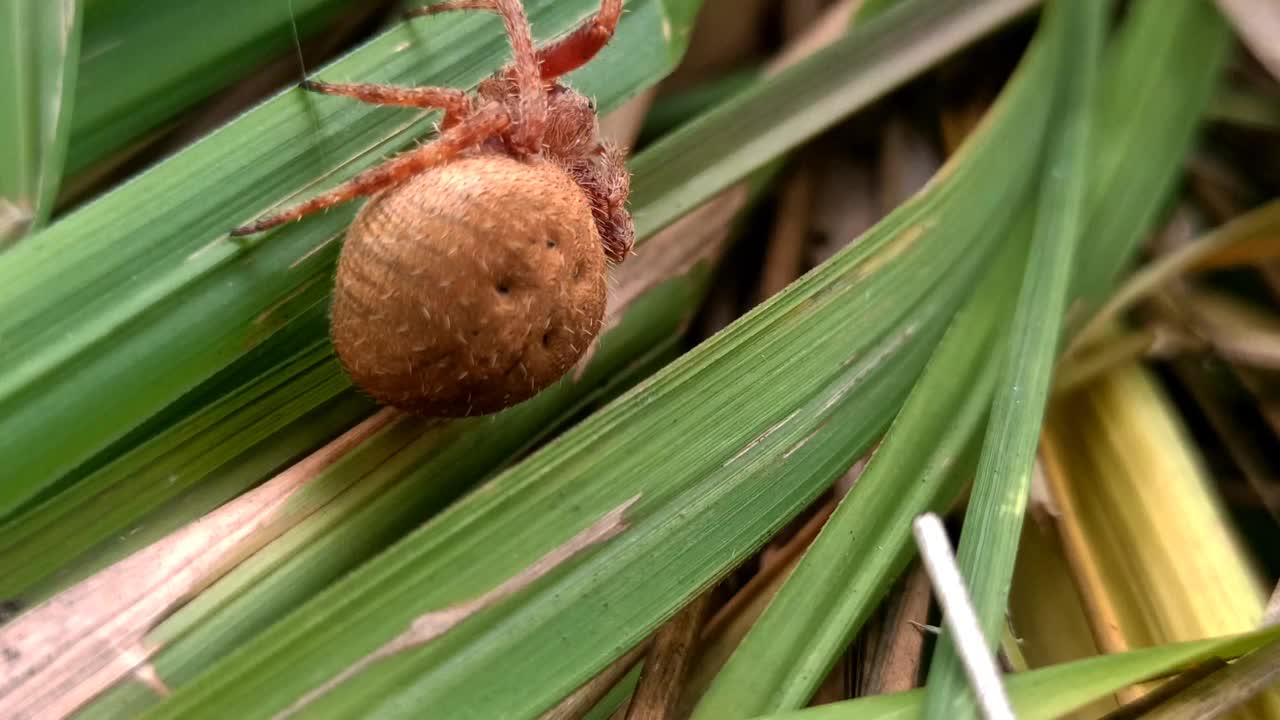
(960, 619)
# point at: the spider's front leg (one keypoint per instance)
(455, 103)
(559, 57)
(485, 123)
(576, 49)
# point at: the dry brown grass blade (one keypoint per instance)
(1250, 238)
(895, 646)
(1258, 24)
(1238, 331)
(671, 653)
(1226, 690)
(730, 624)
(71, 647)
(594, 690)
(785, 256)
(908, 161)
(1140, 707)
(845, 204)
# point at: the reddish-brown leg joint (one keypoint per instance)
(530, 122)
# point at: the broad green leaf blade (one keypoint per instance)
(993, 521)
(1053, 692)
(924, 461)
(124, 307)
(39, 56)
(147, 61)
(367, 496)
(409, 472)
(787, 422)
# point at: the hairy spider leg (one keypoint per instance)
(558, 57)
(576, 49)
(474, 130)
(530, 120)
(455, 103)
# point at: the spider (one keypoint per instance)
(475, 275)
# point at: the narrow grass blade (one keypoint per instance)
(993, 523)
(38, 63)
(889, 50)
(922, 464)
(1055, 691)
(125, 94)
(1225, 691)
(1145, 121)
(1248, 238)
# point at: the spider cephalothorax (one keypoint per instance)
(475, 275)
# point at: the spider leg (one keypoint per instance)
(576, 49)
(484, 124)
(455, 103)
(529, 119)
(450, 6)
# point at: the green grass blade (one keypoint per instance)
(38, 63)
(788, 422)
(1162, 66)
(416, 474)
(993, 522)
(119, 310)
(125, 94)
(923, 463)
(675, 176)
(1056, 691)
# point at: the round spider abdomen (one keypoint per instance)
(470, 287)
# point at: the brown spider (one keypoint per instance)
(475, 275)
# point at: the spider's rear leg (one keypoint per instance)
(455, 103)
(576, 49)
(474, 130)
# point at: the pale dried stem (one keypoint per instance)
(784, 257)
(75, 645)
(907, 162)
(1258, 24)
(1249, 238)
(730, 623)
(896, 646)
(1104, 618)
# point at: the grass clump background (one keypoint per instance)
(1006, 261)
